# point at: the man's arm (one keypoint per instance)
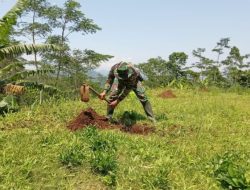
(110, 80)
(108, 83)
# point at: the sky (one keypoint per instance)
(136, 30)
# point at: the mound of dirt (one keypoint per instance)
(167, 94)
(90, 117)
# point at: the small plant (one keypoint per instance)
(229, 174)
(72, 156)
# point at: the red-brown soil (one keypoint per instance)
(90, 117)
(167, 94)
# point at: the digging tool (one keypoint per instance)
(84, 91)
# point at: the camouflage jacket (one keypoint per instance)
(133, 77)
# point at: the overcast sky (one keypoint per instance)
(136, 30)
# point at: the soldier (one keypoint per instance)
(125, 77)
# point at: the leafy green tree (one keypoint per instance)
(221, 45)
(155, 70)
(68, 19)
(176, 61)
(81, 63)
(34, 23)
(235, 63)
(161, 72)
(204, 63)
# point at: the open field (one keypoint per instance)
(197, 132)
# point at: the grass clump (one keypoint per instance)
(230, 174)
(103, 157)
(72, 156)
(157, 179)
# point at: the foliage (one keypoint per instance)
(15, 50)
(160, 72)
(157, 179)
(7, 22)
(68, 19)
(103, 159)
(228, 173)
(9, 104)
(72, 156)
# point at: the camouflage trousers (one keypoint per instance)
(120, 91)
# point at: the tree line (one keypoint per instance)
(43, 30)
(233, 69)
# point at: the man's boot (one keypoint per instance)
(148, 110)
(110, 112)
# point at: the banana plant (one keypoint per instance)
(8, 50)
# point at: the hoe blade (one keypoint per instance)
(84, 91)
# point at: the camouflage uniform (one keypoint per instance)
(123, 78)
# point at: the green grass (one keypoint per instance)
(37, 151)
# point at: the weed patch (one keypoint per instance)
(230, 174)
(72, 156)
(104, 158)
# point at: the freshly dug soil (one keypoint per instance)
(90, 117)
(167, 94)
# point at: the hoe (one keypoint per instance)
(84, 91)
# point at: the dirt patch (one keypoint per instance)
(167, 94)
(176, 130)
(90, 117)
(138, 129)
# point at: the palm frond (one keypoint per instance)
(15, 50)
(9, 19)
(39, 86)
(24, 74)
(10, 67)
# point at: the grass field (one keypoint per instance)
(202, 142)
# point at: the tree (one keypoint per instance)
(203, 62)
(68, 19)
(34, 25)
(221, 45)
(176, 61)
(235, 63)
(155, 71)
(81, 62)
(160, 72)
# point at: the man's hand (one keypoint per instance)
(102, 95)
(114, 103)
